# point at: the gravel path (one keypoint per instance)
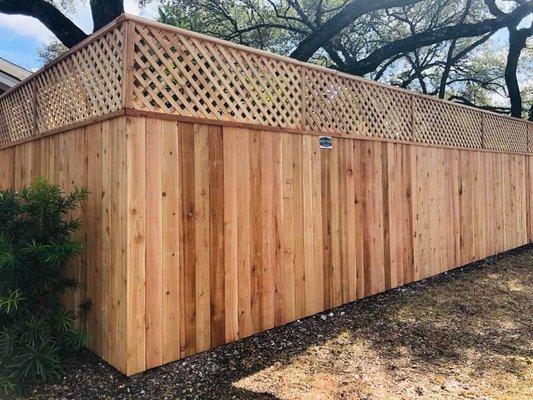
(463, 334)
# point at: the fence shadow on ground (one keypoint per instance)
(435, 323)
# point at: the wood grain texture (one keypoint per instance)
(300, 229)
(198, 235)
(92, 157)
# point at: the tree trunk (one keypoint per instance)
(62, 27)
(446, 72)
(517, 42)
(105, 11)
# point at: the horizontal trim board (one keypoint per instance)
(172, 117)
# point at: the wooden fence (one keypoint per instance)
(214, 211)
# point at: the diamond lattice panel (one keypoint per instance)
(530, 137)
(86, 84)
(437, 122)
(184, 75)
(504, 134)
(17, 115)
(347, 106)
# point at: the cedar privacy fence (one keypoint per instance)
(215, 213)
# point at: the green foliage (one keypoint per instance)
(48, 52)
(36, 331)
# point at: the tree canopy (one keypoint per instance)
(450, 48)
(453, 49)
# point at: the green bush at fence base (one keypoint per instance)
(36, 244)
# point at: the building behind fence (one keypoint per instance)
(216, 211)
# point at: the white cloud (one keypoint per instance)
(148, 11)
(25, 26)
(526, 22)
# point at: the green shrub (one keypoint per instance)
(36, 330)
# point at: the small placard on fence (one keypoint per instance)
(326, 142)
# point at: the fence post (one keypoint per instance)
(413, 130)
(127, 62)
(482, 130)
(303, 99)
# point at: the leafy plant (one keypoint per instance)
(36, 244)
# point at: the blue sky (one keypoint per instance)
(21, 37)
(17, 48)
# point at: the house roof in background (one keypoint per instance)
(13, 70)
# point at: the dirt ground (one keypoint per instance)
(466, 334)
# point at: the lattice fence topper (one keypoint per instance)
(182, 73)
(86, 84)
(17, 117)
(186, 74)
(447, 124)
(346, 106)
(504, 134)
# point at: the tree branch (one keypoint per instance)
(371, 62)
(493, 8)
(105, 11)
(348, 14)
(450, 60)
(62, 27)
(467, 102)
(258, 27)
